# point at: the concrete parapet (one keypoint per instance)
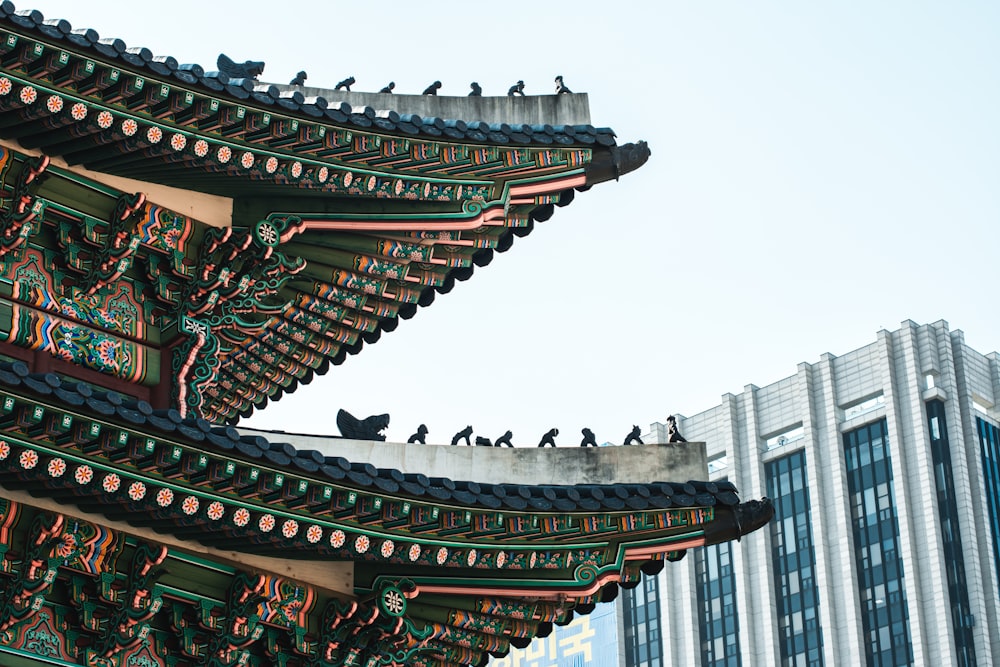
(531, 109)
(635, 464)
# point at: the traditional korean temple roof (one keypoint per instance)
(460, 558)
(179, 248)
(330, 221)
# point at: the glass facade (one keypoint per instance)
(643, 644)
(989, 447)
(718, 624)
(794, 561)
(951, 539)
(876, 547)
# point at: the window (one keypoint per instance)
(876, 548)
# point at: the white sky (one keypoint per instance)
(820, 171)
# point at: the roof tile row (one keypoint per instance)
(294, 101)
(543, 498)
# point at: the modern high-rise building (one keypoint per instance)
(884, 466)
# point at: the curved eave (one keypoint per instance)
(473, 554)
(123, 112)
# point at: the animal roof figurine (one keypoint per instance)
(345, 84)
(516, 89)
(299, 79)
(561, 87)
(388, 88)
(361, 429)
(463, 435)
(432, 89)
(549, 438)
(420, 436)
(673, 434)
(477, 90)
(250, 69)
(633, 437)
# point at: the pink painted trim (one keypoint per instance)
(545, 187)
(490, 217)
(182, 389)
(547, 594)
(646, 552)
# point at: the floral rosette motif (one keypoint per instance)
(372, 182)
(290, 528)
(178, 141)
(266, 523)
(66, 545)
(105, 120)
(296, 169)
(164, 497)
(387, 549)
(28, 459)
(323, 174)
(5, 86)
(57, 467)
(533, 559)
(84, 474)
(224, 154)
(215, 511)
(78, 111)
(247, 160)
(190, 505)
(29, 95)
(54, 104)
(201, 148)
(111, 482)
(271, 165)
(337, 539)
(362, 543)
(129, 127)
(414, 552)
(442, 555)
(4, 450)
(472, 557)
(154, 135)
(501, 559)
(348, 179)
(314, 534)
(398, 188)
(137, 491)
(241, 517)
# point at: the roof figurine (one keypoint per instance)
(477, 90)
(299, 80)
(561, 87)
(673, 433)
(250, 69)
(388, 87)
(345, 84)
(516, 89)
(369, 428)
(549, 438)
(464, 434)
(633, 437)
(432, 89)
(420, 436)
(504, 440)
(588, 438)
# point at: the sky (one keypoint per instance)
(819, 171)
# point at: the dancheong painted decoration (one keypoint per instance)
(180, 247)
